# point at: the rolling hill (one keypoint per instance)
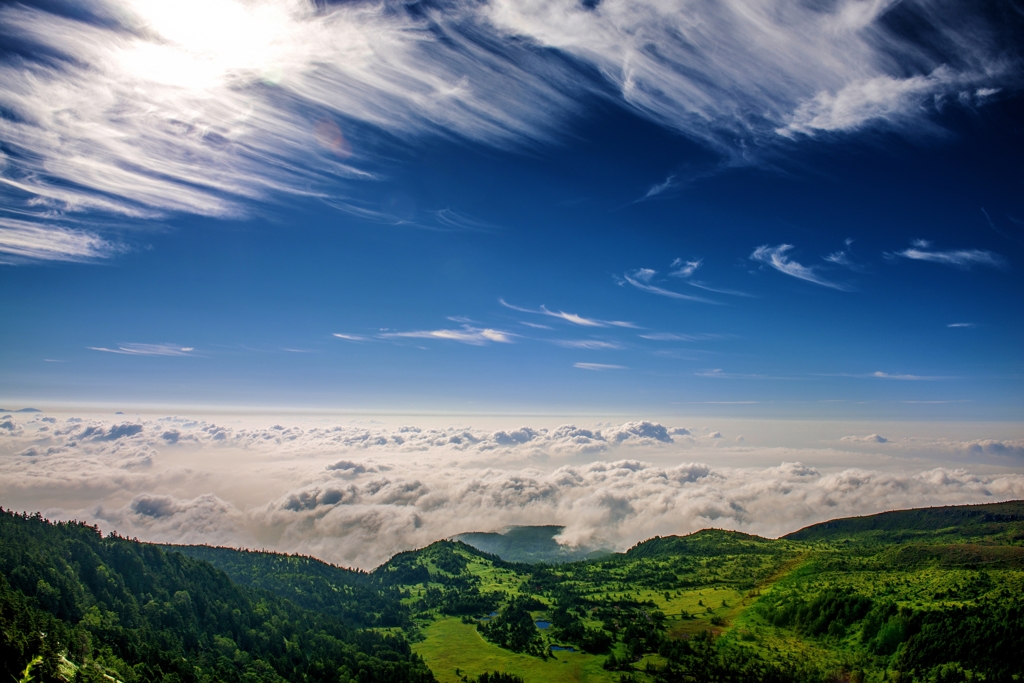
(996, 522)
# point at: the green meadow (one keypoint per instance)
(452, 649)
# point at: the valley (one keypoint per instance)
(920, 595)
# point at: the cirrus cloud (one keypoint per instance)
(778, 258)
(147, 349)
(467, 335)
(140, 109)
(961, 258)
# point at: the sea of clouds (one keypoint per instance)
(355, 492)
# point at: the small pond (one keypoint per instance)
(543, 624)
(566, 648)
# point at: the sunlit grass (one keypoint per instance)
(449, 645)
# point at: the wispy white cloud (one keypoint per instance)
(467, 335)
(726, 70)
(593, 344)
(199, 108)
(660, 188)
(870, 100)
(573, 318)
(641, 279)
(455, 220)
(961, 325)
(374, 213)
(587, 322)
(142, 108)
(598, 366)
(719, 373)
(778, 258)
(971, 97)
(879, 374)
(839, 258)
(903, 376)
(685, 268)
(844, 257)
(998, 231)
(147, 349)
(673, 336)
(719, 290)
(921, 250)
(24, 241)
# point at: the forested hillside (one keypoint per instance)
(348, 595)
(995, 522)
(923, 595)
(95, 608)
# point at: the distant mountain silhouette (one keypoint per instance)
(529, 544)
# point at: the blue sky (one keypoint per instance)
(776, 212)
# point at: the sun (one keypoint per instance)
(202, 44)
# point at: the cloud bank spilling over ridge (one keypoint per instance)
(356, 494)
(140, 108)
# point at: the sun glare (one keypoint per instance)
(203, 43)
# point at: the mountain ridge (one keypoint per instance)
(983, 519)
(941, 599)
(922, 519)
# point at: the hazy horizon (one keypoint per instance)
(354, 490)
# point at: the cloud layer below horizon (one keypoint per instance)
(135, 109)
(356, 494)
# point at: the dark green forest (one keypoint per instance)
(96, 606)
(355, 598)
